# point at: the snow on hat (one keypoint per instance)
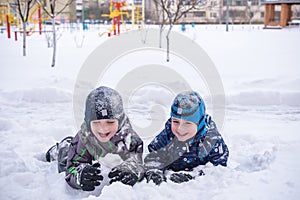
(104, 103)
(190, 106)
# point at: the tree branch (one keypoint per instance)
(66, 5)
(20, 11)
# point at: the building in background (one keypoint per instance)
(207, 12)
(67, 15)
(214, 11)
(282, 18)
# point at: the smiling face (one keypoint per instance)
(183, 129)
(104, 129)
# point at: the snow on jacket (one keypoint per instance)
(167, 152)
(85, 148)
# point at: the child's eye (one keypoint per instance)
(111, 122)
(175, 122)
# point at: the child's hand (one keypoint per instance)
(155, 175)
(120, 173)
(90, 177)
(180, 177)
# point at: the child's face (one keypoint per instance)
(104, 129)
(183, 129)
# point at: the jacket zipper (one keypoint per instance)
(187, 147)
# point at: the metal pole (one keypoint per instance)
(8, 26)
(143, 13)
(227, 14)
(132, 14)
(82, 15)
(40, 19)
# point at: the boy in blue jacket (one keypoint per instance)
(190, 139)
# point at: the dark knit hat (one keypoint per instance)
(104, 103)
(190, 106)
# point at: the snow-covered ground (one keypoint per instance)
(261, 78)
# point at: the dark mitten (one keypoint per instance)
(129, 172)
(90, 177)
(156, 175)
(180, 177)
(124, 175)
(201, 173)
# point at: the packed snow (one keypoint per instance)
(260, 72)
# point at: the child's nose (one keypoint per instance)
(180, 127)
(101, 128)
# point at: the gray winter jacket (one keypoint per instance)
(85, 148)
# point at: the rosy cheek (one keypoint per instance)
(114, 129)
(193, 131)
(173, 128)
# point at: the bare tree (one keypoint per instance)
(160, 17)
(253, 8)
(216, 6)
(173, 11)
(51, 11)
(295, 11)
(24, 7)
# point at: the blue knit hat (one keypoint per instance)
(190, 106)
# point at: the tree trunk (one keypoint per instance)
(160, 34)
(168, 42)
(24, 38)
(54, 41)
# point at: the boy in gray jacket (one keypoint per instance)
(105, 130)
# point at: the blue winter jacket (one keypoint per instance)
(167, 152)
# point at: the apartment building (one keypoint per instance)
(214, 11)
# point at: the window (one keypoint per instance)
(200, 14)
(213, 15)
(213, 3)
(237, 2)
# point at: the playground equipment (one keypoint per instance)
(138, 13)
(8, 10)
(116, 13)
(9, 17)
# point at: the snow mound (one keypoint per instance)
(265, 98)
(39, 95)
(278, 83)
(257, 162)
(6, 125)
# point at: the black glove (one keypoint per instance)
(180, 177)
(201, 173)
(155, 175)
(90, 177)
(123, 174)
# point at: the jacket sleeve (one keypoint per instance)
(77, 155)
(162, 139)
(158, 154)
(133, 156)
(134, 148)
(219, 152)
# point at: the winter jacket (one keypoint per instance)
(167, 152)
(85, 148)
